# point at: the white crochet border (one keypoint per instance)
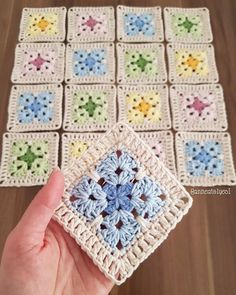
(72, 33)
(167, 141)
(220, 125)
(58, 77)
(213, 76)
(121, 10)
(229, 177)
(122, 262)
(13, 125)
(69, 125)
(60, 11)
(68, 138)
(162, 89)
(203, 12)
(109, 77)
(161, 76)
(6, 179)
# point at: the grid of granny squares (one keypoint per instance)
(122, 196)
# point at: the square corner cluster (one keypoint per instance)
(82, 69)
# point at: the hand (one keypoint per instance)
(39, 257)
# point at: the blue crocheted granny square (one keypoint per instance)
(35, 107)
(120, 200)
(205, 159)
(139, 24)
(89, 63)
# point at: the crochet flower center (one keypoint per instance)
(38, 62)
(187, 24)
(198, 105)
(141, 62)
(28, 158)
(192, 62)
(144, 107)
(90, 107)
(119, 199)
(91, 23)
(43, 24)
(139, 23)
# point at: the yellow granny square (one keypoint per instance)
(192, 63)
(144, 107)
(43, 24)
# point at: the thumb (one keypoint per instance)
(31, 228)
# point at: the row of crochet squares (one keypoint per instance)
(202, 158)
(96, 63)
(28, 158)
(94, 107)
(134, 24)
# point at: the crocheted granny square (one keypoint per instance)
(161, 143)
(38, 63)
(89, 107)
(187, 25)
(144, 107)
(141, 63)
(74, 145)
(198, 107)
(43, 24)
(120, 202)
(90, 63)
(192, 63)
(35, 107)
(28, 158)
(91, 24)
(205, 158)
(139, 24)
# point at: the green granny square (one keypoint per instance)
(187, 25)
(28, 158)
(89, 107)
(141, 63)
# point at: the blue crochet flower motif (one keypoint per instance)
(204, 158)
(35, 108)
(118, 197)
(139, 24)
(90, 63)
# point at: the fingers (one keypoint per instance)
(31, 228)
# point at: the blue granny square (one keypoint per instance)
(139, 24)
(35, 107)
(90, 63)
(120, 200)
(205, 159)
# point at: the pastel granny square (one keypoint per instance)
(192, 63)
(28, 158)
(38, 63)
(139, 24)
(35, 107)
(90, 63)
(89, 107)
(141, 63)
(120, 202)
(91, 24)
(205, 159)
(161, 143)
(43, 24)
(187, 25)
(144, 107)
(74, 145)
(198, 107)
